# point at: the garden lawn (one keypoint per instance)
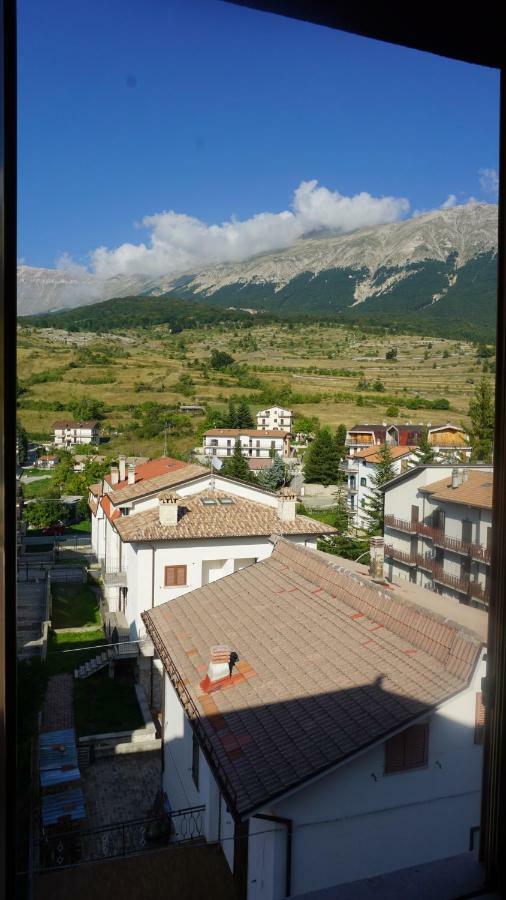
(327, 516)
(79, 527)
(86, 643)
(102, 705)
(74, 606)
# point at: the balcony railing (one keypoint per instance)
(400, 555)
(440, 539)
(113, 575)
(457, 582)
(478, 592)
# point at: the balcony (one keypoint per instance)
(439, 538)
(113, 575)
(400, 555)
(457, 582)
(401, 524)
(478, 592)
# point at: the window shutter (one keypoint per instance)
(416, 746)
(175, 576)
(394, 753)
(169, 576)
(180, 575)
(479, 719)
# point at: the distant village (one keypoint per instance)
(301, 650)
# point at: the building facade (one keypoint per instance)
(450, 442)
(68, 433)
(255, 443)
(438, 530)
(319, 762)
(275, 418)
(360, 470)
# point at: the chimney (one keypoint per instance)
(465, 475)
(114, 475)
(287, 499)
(456, 478)
(377, 559)
(219, 665)
(168, 505)
(122, 468)
(131, 474)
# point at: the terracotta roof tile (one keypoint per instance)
(371, 454)
(240, 518)
(476, 491)
(318, 694)
(171, 475)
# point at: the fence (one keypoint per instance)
(56, 851)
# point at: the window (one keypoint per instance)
(175, 576)
(363, 482)
(195, 760)
(407, 750)
(479, 719)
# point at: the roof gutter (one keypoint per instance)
(288, 823)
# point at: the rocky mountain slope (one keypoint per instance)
(438, 265)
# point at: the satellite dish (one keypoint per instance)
(216, 463)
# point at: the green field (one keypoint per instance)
(334, 372)
(74, 606)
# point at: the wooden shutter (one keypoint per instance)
(394, 753)
(479, 719)
(407, 750)
(175, 576)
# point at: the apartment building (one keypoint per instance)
(255, 443)
(275, 418)
(360, 470)
(327, 733)
(450, 442)
(438, 530)
(68, 433)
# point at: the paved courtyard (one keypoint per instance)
(120, 788)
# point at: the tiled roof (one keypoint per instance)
(259, 463)
(329, 663)
(476, 491)
(240, 518)
(247, 432)
(95, 489)
(69, 423)
(157, 482)
(93, 506)
(149, 469)
(371, 454)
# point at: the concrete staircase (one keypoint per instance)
(92, 666)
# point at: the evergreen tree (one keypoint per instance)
(341, 441)
(424, 453)
(21, 444)
(275, 477)
(481, 413)
(235, 466)
(321, 461)
(374, 505)
(230, 419)
(244, 418)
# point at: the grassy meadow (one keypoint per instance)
(334, 372)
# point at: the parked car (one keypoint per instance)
(54, 529)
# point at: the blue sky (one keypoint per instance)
(128, 110)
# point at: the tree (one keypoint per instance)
(184, 385)
(306, 424)
(374, 504)
(220, 360)
(424, 453)
(481, 413)
(86, 408)
(341, 433)
(43, 513)
(230, 418)
(82, 509)
(21, 444)
(235, 466)
(321, 462)
(392, 353)
(244, 418)
(275, 477)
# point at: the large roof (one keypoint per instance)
(371, 454)
(70, 423)
(236, 517)
(476, 491)
(329, 663)
(167, 473)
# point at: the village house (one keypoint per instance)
(275, 418)
(450, 442)
(360, 470)
(47, 461)
(330, 725)
(163, 529)
(255, 443)
(438, 530)
(68, 433)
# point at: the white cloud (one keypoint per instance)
(450, 202)
(66, 263)
(180, 243)
(489, 182)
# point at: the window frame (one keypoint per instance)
(389, 767)
(175, 569)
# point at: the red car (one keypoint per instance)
(54, 529)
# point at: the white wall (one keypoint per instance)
(372, 825)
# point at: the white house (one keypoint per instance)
(255, 444)
(438, 529)
(170, 527)
(331, 726)
(360, 470)
(47, 461)
(68, 433)
(275, 418)
(450, 442)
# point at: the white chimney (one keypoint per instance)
(465, 475)
(456, 478)
(114, 475)
(168, 505)
(219, 665)
(287, 499)
(122, 468)
(131, 474)
(377, 559)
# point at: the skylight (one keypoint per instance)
(226, 501)
(208, 501)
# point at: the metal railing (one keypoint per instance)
(457, 582)
(400, 524)
(440, 539)
(70, 848)
(400, 555)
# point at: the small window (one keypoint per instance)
(175, 576)
(208, 501)
(195, 760)
(363, 482)
(479, 719)
(407, 750)
(226, 501)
